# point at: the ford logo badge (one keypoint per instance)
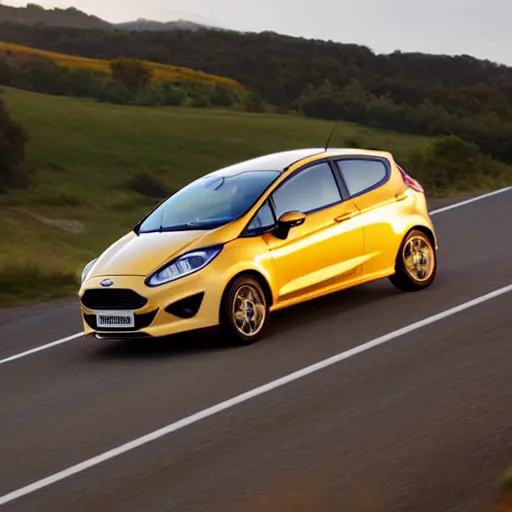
(107, 282)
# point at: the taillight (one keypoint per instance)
(410, 182)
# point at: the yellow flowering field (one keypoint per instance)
(161, 72)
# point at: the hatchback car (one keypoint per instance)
(258, 236)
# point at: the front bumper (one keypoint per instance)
(187, 304)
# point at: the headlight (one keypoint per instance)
(184, 265)
(87, 269)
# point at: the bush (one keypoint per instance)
(453, 164)
(252, 102)
(133, 74)
(115, 92)
(153, 95)
(173, 94)
(14, 172)
(221, 96)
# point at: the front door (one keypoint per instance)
(326, 249)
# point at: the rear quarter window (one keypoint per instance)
(362, 175)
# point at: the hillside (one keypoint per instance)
(411, 93)
(115, 163)
(160, 72)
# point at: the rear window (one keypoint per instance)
(362, 175)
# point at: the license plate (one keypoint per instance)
(115, 319)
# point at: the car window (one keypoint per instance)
(263, 220)
(309, 190)
(361, 175)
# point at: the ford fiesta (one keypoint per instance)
(258, 236)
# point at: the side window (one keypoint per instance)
(361, 175)
(264, 219)
(312, 189)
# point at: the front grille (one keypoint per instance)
(141, 322)
(114, 299)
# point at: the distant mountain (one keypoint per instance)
(158, 26)
(71, 17)
(34, 14)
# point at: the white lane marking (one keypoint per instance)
(80, 334)
(244, 397)
(41, 348)
(469, 201)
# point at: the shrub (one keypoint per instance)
(453, 164)
(152, 95)
(173, 95)
(115, 92)
(221, 96)
(133, 74)
(252, 102)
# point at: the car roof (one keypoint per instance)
(284, 159)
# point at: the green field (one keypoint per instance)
(86, 153)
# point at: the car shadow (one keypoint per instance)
(175, 346)
(280, 324)
(330, 305)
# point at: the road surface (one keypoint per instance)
(418, 420)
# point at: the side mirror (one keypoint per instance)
(292, 219)
(287, 221)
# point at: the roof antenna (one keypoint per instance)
(330, 136)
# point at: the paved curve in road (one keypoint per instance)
(422, 422)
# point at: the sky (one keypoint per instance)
(480, 28)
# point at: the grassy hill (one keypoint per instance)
(95, 160)
(160, 72)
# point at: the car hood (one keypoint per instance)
(139, 255)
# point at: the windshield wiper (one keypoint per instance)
(191, 226)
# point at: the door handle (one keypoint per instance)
(345, 216)
(402, 196)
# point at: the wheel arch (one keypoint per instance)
(427, 231)
(255, 274)
(423, 229)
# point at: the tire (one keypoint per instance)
(410, 279)
(244, 308)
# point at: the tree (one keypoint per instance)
(13, 138)
(133, 74)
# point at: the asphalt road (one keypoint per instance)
(422, 422)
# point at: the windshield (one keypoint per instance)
(209, 202)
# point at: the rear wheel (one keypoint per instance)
(244, 312)
(416, 263)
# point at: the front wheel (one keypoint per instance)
(416, 263)
(244, 312)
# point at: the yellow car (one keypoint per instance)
(258, 236)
